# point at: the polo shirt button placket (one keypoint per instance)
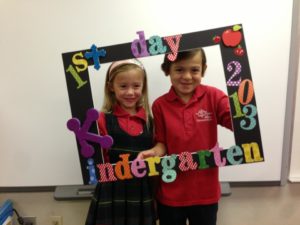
(188, 120)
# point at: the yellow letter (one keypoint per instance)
(151, 163)
(255, 152)
(80, 61)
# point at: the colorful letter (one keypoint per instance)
(138, 165)
(168, 173)
(173, 45)
(255, 152)
(232, 152)
(143, 46)
(76, 76)
(124, 163)
(186, 162)
(106, 172)
(202, 162)
(95, 55)
(151, 164)
(217, 155)
(92, 171)
(156, 45)
(78, 60)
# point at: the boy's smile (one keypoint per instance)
(186, 75)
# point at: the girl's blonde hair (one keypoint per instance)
(109, 97)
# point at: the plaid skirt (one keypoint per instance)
(128, 202)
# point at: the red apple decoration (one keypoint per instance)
(239, 51)
(232, 37)
(216, 39)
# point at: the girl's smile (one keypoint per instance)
(127, 87)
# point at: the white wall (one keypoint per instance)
(37, 149)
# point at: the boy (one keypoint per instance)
(186, 119)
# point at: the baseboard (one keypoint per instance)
(254, 183)
(294, 179)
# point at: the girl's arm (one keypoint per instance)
(158, 150)
(103, 131)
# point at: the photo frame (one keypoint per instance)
(240, 89)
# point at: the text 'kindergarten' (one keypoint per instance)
(169, 166)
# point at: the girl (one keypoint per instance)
(193, 112)
(126, 118)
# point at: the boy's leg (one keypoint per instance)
(203, 214)
(169, 215)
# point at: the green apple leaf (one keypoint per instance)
(236, 27)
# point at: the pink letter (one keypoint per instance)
(106, 172)
(217, 155)
(186, 162)
(137, 165)
(173, 45)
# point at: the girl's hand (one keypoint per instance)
(146, 154)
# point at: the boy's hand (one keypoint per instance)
(146, 154)
(158, 150)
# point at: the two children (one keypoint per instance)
(185, 119)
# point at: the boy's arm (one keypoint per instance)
(223, 112)
(158, 150)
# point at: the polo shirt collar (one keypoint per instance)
(199, 91)
(120, 112)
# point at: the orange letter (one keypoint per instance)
(125, 165)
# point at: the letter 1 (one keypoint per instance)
(76, 76)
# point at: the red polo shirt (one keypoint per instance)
(191, 127)
(131, 124)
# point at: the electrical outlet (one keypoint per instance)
(29, 220)
(56, 220)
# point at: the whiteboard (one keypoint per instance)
(36, 147)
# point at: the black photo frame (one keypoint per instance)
(231, 41)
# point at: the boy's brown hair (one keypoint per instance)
(166, 65)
